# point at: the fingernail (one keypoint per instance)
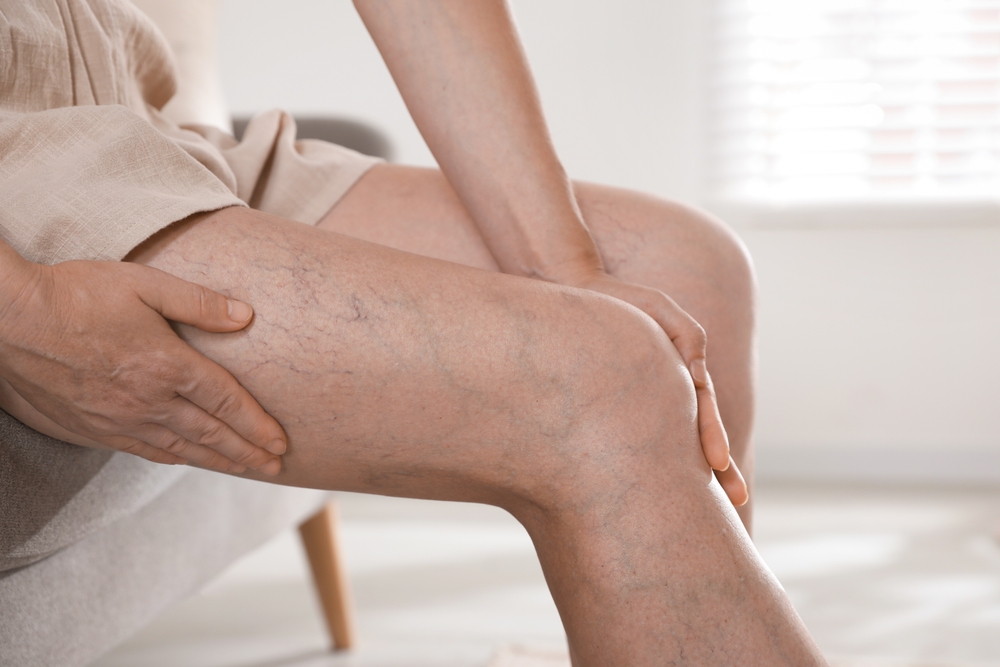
(272, 467)
(239, 311)
(277, 447)
(699, 372)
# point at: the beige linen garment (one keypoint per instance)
(89, 168)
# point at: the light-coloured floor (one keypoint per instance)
(899, 576)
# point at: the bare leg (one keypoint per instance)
(643, 239)
(402, 375)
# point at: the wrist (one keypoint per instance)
(17, 275)
(575, 271)
(549, 242)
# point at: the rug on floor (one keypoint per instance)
(890, 662)
(520, 656)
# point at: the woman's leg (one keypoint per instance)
(398, 374)
(643, 239)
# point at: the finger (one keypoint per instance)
(690, 340)
(187, 302)
(683, 330)
(166, 440)
(157, 438)
(143, 450)
(213, 389)
(714, 440)
(195, 425)
(732, 482)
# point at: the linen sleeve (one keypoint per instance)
(92, 182)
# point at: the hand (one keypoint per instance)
(87, 346)
(689, 339)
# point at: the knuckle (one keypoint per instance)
(212, 433)
(698, 336)
(106, 424)
(175, 445)
(216, 393)
(228, 403)
(208, 302)
(698, 330)
(160, 365)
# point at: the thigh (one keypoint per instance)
(648, 240)
(400, 374)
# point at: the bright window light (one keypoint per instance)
(818, 100)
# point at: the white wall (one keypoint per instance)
(310, 56)
(879, 352)
(608, 73)
(879, 345)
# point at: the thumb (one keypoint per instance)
(188, 303)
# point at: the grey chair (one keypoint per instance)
(350, 133)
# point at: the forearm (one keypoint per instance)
(462, 72)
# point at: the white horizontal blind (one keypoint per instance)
(817, 100)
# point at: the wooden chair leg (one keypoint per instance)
(319, 536)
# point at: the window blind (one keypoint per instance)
(818, 100)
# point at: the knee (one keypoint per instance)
(656, 241)
(715, 255)
(725, 256)
(624, 415)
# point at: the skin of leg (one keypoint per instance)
(681, 251)
(398, 374)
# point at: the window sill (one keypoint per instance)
(858, 214)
